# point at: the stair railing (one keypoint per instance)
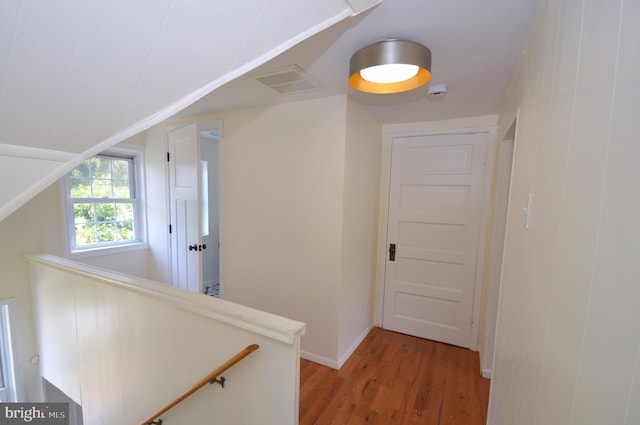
(211, 378)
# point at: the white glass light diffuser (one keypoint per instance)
(369, 67)
(389, 73)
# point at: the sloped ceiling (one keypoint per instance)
(475, 45)
(78, 76)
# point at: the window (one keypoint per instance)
(103, 201)
(9, 391)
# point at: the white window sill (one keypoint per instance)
(107, 250)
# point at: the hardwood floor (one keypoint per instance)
(395, 379)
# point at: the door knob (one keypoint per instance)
(203, 246)
(193, 247)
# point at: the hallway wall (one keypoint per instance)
(568, 336)
(288, 176)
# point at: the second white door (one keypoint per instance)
(186, 242)
(435, 209)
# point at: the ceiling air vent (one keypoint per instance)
(289, 80)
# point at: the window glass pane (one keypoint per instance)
(81, 170)
(120, 169)
(101, 188)
(100, 168)
(125, 231)
(105, 212)
(121, 189)
(124, 212)
(83, 213)
(80, 188)
(106, 232)
(85, 234)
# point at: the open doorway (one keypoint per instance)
(504, 156)
(210, 210)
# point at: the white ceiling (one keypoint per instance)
(78, 76)
(475, 48)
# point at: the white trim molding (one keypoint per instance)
(36, 183)
(17, 151)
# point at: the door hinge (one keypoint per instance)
(168, 157)
(169, 228)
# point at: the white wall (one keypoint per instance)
(567, 345)
(282, 190)
(359, 229)
(32, 228)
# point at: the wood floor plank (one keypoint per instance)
(396, 379)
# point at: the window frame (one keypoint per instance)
(9, 351)
(136, 154)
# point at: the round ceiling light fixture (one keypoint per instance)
(390, 66)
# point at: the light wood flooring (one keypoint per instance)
(395, 379)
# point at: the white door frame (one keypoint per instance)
(210, 125)
(478, 125)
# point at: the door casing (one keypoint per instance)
(487, 125)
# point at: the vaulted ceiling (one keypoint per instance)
(475, 48)
(79, 76)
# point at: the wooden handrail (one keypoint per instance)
(204, 381)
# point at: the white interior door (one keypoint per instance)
(184, 187)
(435, 208)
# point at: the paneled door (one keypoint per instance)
(184, 188)
(435, 207)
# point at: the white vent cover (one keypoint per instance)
(289, 80)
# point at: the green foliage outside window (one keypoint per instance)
(101, 191)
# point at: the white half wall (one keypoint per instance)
(124, 348)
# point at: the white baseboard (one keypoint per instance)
(319, 359)
(342, 360)
(333, 364)
(486, 372)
